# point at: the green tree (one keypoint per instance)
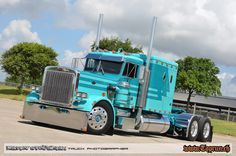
(197, 75)
(114, 43)
(25, 62)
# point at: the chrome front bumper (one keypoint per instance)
(55, 116)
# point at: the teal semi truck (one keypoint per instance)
(115, 90)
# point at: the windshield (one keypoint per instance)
(103, 66)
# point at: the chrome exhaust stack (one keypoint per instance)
(154, 122)
(145, 84)
(99, 30)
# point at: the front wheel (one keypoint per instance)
(205, 130)
(100, 118)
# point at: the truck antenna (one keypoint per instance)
(99, 29)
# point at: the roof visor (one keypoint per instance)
(104, 57)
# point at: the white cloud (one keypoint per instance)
(69, 55)
(87, 40)
(7, 3)
(201, 28)
(32, 8)
(17, 31)
(168, 55)
(228, 84)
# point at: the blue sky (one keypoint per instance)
(200, 28)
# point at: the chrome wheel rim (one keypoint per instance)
(206, 130)
(97, 118)
(194, 128)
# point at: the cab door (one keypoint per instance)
(128, 86)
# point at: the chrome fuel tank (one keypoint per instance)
(159, 125)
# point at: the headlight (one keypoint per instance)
(81, 94)
(37, 89)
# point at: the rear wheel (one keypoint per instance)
(205, 129)
(193, 129)
(100, 118)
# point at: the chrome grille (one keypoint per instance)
(58, 87)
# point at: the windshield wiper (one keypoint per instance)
(100, 67)
(100, 64)
(96, 65)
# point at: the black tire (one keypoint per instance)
(193, 129)
(204, 136)
(102, 127)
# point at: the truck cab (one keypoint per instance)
(106, 70)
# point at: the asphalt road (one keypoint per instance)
(16, 130)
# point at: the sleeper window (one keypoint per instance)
(171, 78)
(164, 76)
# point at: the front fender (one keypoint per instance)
(32, 97)
(87, 104)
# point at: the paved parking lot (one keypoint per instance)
(16, 130)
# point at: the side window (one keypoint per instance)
(164, 76)
(171, 78)
(130, 70)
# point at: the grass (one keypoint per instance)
(9, 92)
(224, 127)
